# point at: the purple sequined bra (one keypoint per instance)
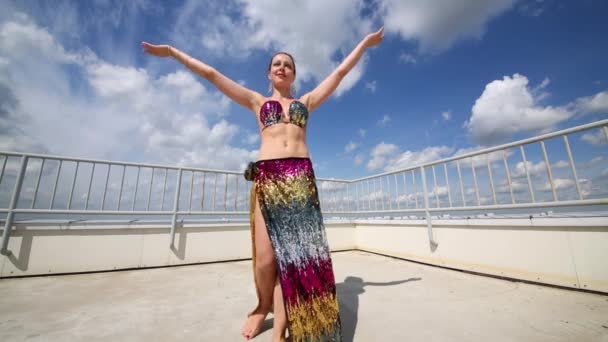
(271, 113)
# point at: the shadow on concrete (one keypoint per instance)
(182, 237)
(22, 261)
(433, 245)
(348, 297)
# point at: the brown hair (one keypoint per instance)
(283, 53)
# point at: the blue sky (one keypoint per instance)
(449, 77)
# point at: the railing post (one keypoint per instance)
(175, 207)
(415, 188)
(357, 196)
(523, 157)
(504, 159)
(447, 183)
(573, 167)
(429, 224)
(9, 218)
(38, 183)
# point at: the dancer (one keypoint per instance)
(293, 271)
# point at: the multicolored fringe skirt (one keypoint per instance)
(287, 194)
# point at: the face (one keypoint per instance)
(282, 71)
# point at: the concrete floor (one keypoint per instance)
(382, 299)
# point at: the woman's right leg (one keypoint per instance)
(265, 272)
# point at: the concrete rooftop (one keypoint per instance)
(381, 298)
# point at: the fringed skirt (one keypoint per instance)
(289, 202)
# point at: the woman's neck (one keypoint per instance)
(281, 94)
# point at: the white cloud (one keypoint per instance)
(406, 58)
(115, 81)
(593, 162)
(539, 93)
(382, 122)
(361, 132)
(533, 169)
(596, 160)
(532, 8)
(559, 183)
(114, 112)
(411, 198)
(560, 164)
(380, 154)
(597, 103)
(371, 86)
(237, 28)
(389, 158)
(516, 186)
(252, 138)
(447, 115)
(438, 26)
(482, 159)
(506, 107)
(509, 106)
(20, 36)
(332, 186)
(373, 196)
(358, 159)
(442, 191)
(544, 83)
(412, 158)
(351, 146)
(596, 138)
(586, 187)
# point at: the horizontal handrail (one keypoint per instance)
(120, 163)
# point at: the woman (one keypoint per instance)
(292, 267)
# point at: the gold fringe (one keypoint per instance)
(313, 318)
(300, 190)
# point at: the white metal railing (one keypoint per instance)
(380, 193)
(198, 191)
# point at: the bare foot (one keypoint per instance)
(254, 323)
(279, 339)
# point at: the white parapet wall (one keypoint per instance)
(41, 249)
(571, 252)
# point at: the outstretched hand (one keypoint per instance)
(156, 50)
(375, 38)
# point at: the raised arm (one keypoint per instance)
(238, 93)
(318, 95)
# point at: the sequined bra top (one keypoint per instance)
(271, 113)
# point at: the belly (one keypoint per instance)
(283, 140)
